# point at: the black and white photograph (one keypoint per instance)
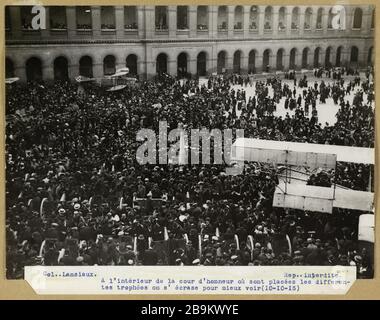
(190, 135)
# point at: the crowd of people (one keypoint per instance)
(76, 195)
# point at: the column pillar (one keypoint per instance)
(73, 69)
(275, 20)
(288, 20)
(141, 69)
(119, 21)
(349, 19)
(45, 33)
(272, 62)
(15, 14)
(193, 21)
(322, 55)
(259, 62)
(212, 21)
(298, 60)
(313, 20)
(286, 60)
(229, 62)
(244, 63)
(150, 26)
(48, 71)
(325, 19)
(19, 69)
(96, 21)
(97, 67)
(366, 20)
(310, 59)
(71, 21)
(192, 66)
(172, 21)
(246, 10)
(172, 66)
(140, 21)
(301, 20)
(332, 56)
(230, 21)
(119, 62)
(261, 20)
(212, 60)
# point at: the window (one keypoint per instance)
(26, 17)
(202, 18)
(182, 18)
(308, 16)
(358, 17)
(319, 18)
(268, 18)
(109, 65)
(330, 19)
(222, 18)
(161, 17)
(253, 18)
(295, 19)
(130, 17)
(84, 20)
(7, 18)
(238, 24)
(107, 15)
(282, 19)
(57, 17)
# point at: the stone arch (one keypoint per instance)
(279, 59)
(292, 59)
(338, 59)
(9, 68)
(162, 63)
(61, 68)
(237, 58)
(357, 18)
(354, 56)
(221, 61)
(305, 58)
(109, 64)
(317, 53)
(252, 61)
(33, 68)
(328, 52)
(202, 63)
(370, 59)
(131, 63)
(182, 64)
(85, 66)
(267, 54)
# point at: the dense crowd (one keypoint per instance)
(76, 195)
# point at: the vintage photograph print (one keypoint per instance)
(189, 135)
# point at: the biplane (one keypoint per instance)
(295, 162)
(113, 82)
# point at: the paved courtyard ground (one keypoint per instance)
(326, 112)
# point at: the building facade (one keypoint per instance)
(198, 40)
